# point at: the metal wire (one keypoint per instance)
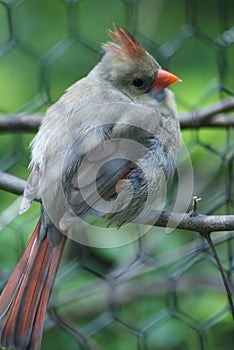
(161, 291)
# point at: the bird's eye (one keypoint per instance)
(138, 82)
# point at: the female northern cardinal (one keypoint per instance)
(123, 98)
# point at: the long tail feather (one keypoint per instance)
(24, 300)
(17, 275)
(39, 319)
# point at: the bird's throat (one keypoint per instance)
(159, 96)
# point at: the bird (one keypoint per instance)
(106, 148)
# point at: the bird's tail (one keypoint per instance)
(24, 299)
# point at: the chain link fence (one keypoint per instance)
(162, 291)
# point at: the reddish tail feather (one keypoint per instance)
(24, 300)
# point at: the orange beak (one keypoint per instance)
(163, 80)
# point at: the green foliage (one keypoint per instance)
(45, 47)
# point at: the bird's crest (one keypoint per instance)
(124, 45)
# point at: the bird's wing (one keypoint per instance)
(90, 179)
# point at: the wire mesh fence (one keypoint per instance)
(161, 291)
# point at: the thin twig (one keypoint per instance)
(221, 270)
(185, 221)
(211, 116)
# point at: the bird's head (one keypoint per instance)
(131, 68)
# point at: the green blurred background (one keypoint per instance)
(175, 298)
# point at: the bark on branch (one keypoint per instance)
(211, 116)
(20, 123)
(186, 221)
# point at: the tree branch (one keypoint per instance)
(20, 123)
(191, 121)
(188, 221)
(217, 108)
(198, 223)
(212, 116)
(11, 183)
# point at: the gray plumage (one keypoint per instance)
(106, 119)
